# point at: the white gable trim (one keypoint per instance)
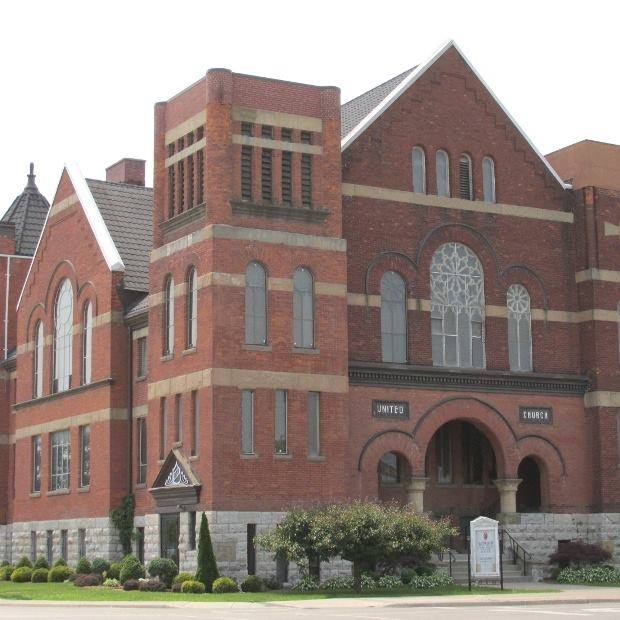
(411, 79)
(95, 219)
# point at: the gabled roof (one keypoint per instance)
(357, 117)
(127, 211)
(27, 214)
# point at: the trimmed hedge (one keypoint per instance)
(589, 574)
(58, 574)
(224, 585)
(5, 572)
(22, 574)
(39, 575)
(41, 562)
(24, 562)
(83, 567)
(100, 566)
(114, 572)
(191, 586)
(428, 582)
(131, 569)
(252, 583)
(164, 568)
(180, 579)
(60, 562)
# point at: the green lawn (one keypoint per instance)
(68, 592)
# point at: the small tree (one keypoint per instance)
(207, 571)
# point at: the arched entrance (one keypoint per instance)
(393, 473)
(461, 468)
(528, 493)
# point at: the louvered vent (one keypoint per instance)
(266, 174)
(246, 173)
(465, 185)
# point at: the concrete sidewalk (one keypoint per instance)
(564, 594)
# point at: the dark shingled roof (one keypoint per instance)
(138, 308)
(352, 112)
(127, 211)
(27, 214)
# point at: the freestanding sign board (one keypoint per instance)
(485, 555)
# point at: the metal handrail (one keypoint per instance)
(518, 552)
(451, 558)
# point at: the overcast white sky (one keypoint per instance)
(79, 79)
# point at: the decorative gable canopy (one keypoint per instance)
(176, 484)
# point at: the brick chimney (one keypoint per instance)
(126, 170)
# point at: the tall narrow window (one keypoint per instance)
(87, 344)
(142, 350)
(38, 361)
(255, 304)
(519, 328)
(85, 456)
(60, 457)
(64, 544)
(81, 543)
(169, 316)
(267, 175)
(443, 447)
(472, 448)
(163, 422)
(457, 307)
(303, 308)
(314, 426)
(192, 308)
(181, 186)
(246, 172)
(63, 337)
(393, 318)
(251, 548)
(418, 163)
(281, 423)
(247, 422)
(466, 189)
(200, 184)
(33, 546)
(178, 419)
(191, 530)
(171, 188)
(488, 179)
(36, 464)
(194, 423)
(142, 453)
(442, 164)
(191, 181)
(49, 547)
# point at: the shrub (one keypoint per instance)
(83, 567)
(589, 574)
(272, 583)
(224, 584)
(207, 571)
(22, 574)
(92, 579)
(407, 574)
(39, 575)
(151, 585)
(578, 553)
(131, 569)
(112, 583)
(191, 586)
(389, 582)
(60, 562)
(367, 582)
(180, 579)
(114, 572)
(427, 582)
(58, 574)
(24, 562)
(41, 562)
(100, 566)
(5, 572)
(337, 583)
(164, 568)
(252, 583)
(306, 584)
(131, 584)
(4, 563)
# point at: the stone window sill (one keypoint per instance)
(65, 393)
(167, 357)
(84, 489)
(59, 492)
(312, 215)
(316, 457)
(306, 350)
(194, 457)
(140, 379)
(263, 348)
(35, 494)
(285, 456)
(249, 457)
(177, 444)
(189, 351)
(160, 461)
(140, 485)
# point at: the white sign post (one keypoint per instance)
(484, 545)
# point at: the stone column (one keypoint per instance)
(415, 492)
(507, 488)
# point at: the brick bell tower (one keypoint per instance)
(249, 272)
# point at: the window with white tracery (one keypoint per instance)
(63, 337)
(457, 307)
(519, 328)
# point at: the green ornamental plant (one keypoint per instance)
(180, 579)
(39, 575)
(41, 562)
(191, 586)
(223, 585)
(59, 573)
(83, 567)
(252, 583)
(122, 519)
(23, 574)
(60, 562)
(163, 568)
(207, 571)
(114, 572)
(131, 569)
(5, 572)
(23, 561)
(100, 566)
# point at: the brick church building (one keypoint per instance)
(398, 298)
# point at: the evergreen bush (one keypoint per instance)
(83, 567)
(164, 568)
(24, 561)
(223, 585)
(83, 580)
(207, 571)
(100, 566)
(131, 569)
(191, 586)
(39, 575)
(58, 574)
(114, 572)
(41, 562)
(252, 583)
(23, 574)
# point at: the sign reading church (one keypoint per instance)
(536, 415)
(390, 409)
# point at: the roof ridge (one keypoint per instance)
(132, 185)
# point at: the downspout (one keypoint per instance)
(7, 289)
(130, 411)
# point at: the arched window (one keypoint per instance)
(255, 304)
(63, 337)
(303, 308)
(488, 179)
(418, 163)
(519, 328)
(457, 307)
(393, 318)
(466, 188)
(37, 366)
(169, 316)
(442, 163)
(87, 343)
(192, 308)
